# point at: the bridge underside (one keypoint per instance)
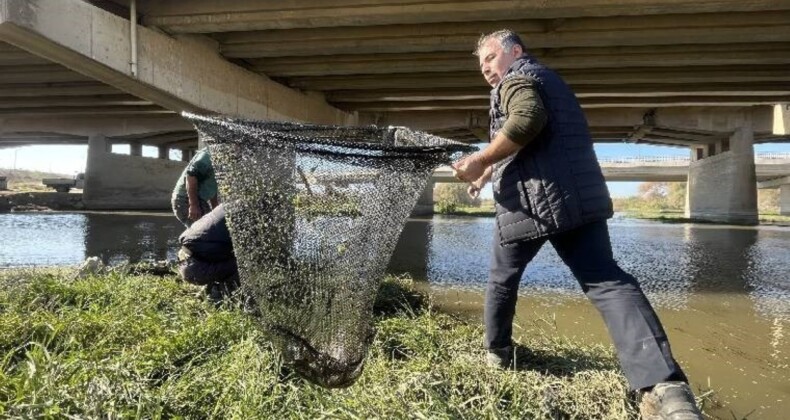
(701, 75)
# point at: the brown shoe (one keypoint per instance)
(669, 401)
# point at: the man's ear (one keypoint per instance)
(518, 50)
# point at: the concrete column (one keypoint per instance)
(185, 155)
(135, 149)
(723, 187)
(98, 149)
(411, 253)
(163, 152)
(784, 200)
(424, 205)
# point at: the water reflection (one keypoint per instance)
(667, 259)
(45, 239)
(41, 239)
(115, 238)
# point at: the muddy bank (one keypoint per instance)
(40, 201)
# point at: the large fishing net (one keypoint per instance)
(314, 213)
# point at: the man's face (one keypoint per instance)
(495, 61)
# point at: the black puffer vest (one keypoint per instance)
(554, 183)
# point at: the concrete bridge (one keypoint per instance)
(711, 76)
(772, 170)
(769, 167)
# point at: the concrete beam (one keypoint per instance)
(428, 121)
(93, 111)
(175, 73)
(112, 126)
(47, 73)
(582, 91)
(459, 38)
(559, 59)
(157, 139)
(695, 121)
(663, 76)
(201, 16)
(607, 102)
(74, 101)
(774, 183)
(56, 89)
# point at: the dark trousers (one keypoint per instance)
(640, 340)
(196, 271)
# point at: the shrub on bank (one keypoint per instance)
(141, 346)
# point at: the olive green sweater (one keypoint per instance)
(526, 115)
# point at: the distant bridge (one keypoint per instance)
(661, 168)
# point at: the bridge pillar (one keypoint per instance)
(126, 182)
(98, 146)
(424, 205)
(784, 199)
(135, 149)
(722, 183)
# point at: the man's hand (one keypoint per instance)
(473, 191)
(195, 212)
(470, 168)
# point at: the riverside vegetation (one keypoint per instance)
(654, 200)
(138, 346)
(21, 180)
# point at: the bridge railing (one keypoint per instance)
(772, 156)
(768, 158)
(646, 160)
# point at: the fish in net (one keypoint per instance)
(315, 212)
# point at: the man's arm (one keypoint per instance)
(526, 117)
(195, 211)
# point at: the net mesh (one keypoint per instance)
(315, 213)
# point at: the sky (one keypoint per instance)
(70, 160)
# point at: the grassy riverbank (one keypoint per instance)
(486, 209)
(142, 346)
(24, 180)
(678, 216)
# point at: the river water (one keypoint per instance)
(722, 292)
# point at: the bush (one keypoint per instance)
(449, 197)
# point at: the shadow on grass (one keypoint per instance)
(396, 296)
(572, 361)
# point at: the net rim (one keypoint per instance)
(399, 151)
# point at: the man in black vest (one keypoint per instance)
(548, 186)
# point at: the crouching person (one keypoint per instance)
(206, 256)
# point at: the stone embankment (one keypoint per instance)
(39, 201)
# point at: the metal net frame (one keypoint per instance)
(315, 212)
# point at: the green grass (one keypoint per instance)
(122, 346)
(674, 216)
(486, 209)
